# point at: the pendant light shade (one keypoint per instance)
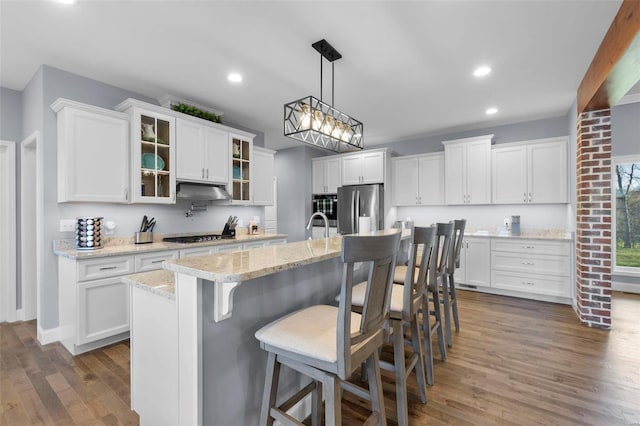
(312, 121)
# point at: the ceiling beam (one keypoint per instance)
(616, 66)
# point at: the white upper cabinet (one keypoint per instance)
(153, 147)
(533, 172)
(326, 175)
(418, 180)
(363, 168)
(93, 153)
(263, 173)
(468, 170)
(202, 153)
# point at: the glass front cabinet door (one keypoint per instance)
(153, 147)
(241, 166)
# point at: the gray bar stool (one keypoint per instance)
(406, 302)
(445, 235)
(328, 343)
(453, 263)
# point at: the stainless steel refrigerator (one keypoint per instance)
(360, 200)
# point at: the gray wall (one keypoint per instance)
(625, 129)
(293, 169)
(10, 115)
(528, 130)
(48, 85)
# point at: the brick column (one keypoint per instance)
(593, 221)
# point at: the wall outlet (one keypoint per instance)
(507, 222)
(67, 225)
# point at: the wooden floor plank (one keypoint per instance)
(514, 362)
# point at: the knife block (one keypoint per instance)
(143, 237)
(228, 231)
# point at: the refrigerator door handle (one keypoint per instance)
(357, 211)
(353, 203)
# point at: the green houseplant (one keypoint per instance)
(191, 110)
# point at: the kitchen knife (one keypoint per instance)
(150, 224)
(144, 223)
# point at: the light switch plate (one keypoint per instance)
(67, 225)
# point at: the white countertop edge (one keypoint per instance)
(127, 249)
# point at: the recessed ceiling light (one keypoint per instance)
(482, 71)
(66, 1)
(491, 111)
(234, 77)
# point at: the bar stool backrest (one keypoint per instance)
(442, 245)
(456, 245)
(380, 252)
(422, 243)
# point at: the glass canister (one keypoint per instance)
(515, 225)
(88, 233)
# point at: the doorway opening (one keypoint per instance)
(626, 223)
(31, 231)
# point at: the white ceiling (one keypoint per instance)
(406, 70)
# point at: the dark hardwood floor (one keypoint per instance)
(514, 362)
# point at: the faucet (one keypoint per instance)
(326, 223)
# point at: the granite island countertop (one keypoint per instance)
(125, 246)
(248, 264)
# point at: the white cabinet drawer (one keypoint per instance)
(198, 251)
(103, 309)
(534, 263)
(104, 267)
(532, 247)
(275, 242)
(531, 283)
(253, 244)
(229, 247)
(153, 261)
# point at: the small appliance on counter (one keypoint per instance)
(515, 225)
(88, 233)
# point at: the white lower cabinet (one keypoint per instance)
(475, 269)
(93, 301)
(532, 266)
(103, 309)
(537, 269)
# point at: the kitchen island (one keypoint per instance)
(194, 357)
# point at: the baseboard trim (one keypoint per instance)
(626, 287)
(49, 335)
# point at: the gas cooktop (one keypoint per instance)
(197, 238)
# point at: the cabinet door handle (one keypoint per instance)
(529, 197)
(524, 197)
(126, 194)
(528, 263)
(528, 247)
(106, 268)
(202, 174)
(527, 283)
(157, 261)
(207, 173)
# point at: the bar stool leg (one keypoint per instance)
(316, 405)
(428, 339)
(438, 314)
(270, 390)
(447, 309)
(332, 405)
(401, 378)
(454, 302)
(420, 367)
(375, 388)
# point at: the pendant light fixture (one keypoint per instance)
(314, 122)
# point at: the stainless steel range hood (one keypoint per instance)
(201, 192)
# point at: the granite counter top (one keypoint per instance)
(248, 264)
(525, 234)
(160, 282)
(125, 246)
